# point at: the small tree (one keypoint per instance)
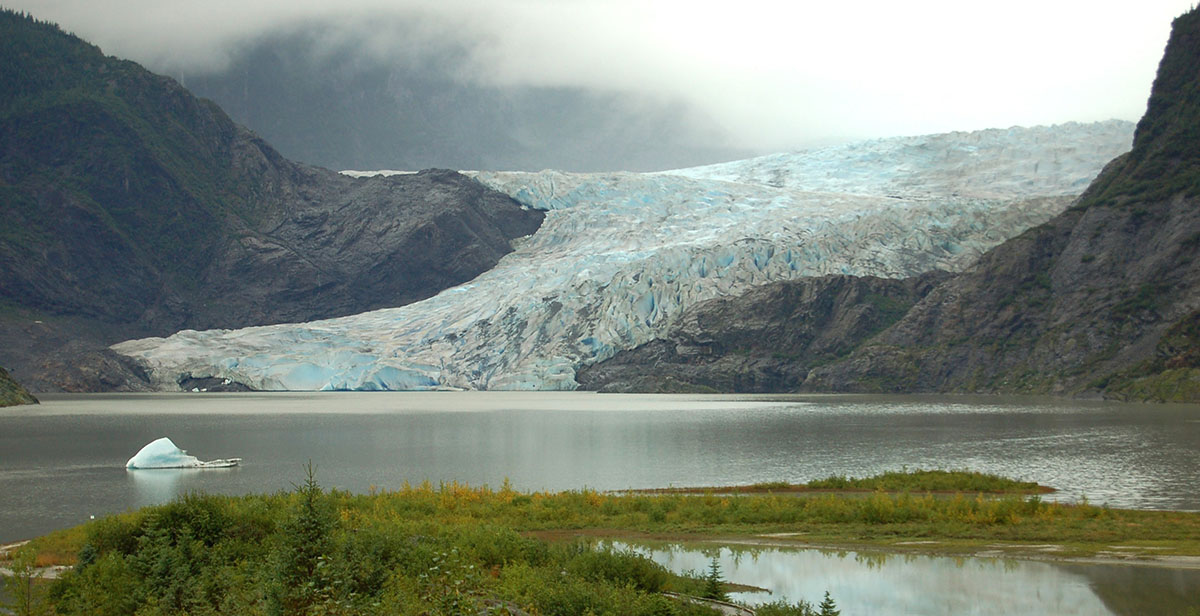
(301, 576)
(714, 585)
(828, 607)
(23, 585)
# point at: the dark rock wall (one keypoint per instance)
(1102, 299)
(764, 340)
(132, 208)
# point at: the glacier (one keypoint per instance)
(621, 255)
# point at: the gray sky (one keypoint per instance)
(775, 75)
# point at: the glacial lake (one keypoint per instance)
(63, 461)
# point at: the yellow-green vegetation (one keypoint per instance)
(11, 392)
(453, 548)
(931, 481)
(938, 481)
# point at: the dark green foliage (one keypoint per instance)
(313, 552)
(780, 608)
(303, 577)
(108, 586)
(828, 607)
(168, 561)
(714, 585)
(619, 568)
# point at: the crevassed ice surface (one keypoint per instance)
(621, 255)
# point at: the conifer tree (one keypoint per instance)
(304, 548)
(828, 607)
(713, 584)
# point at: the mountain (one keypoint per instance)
(11, 392)
(133, 208)
(764, 340)
(621, 256)
(1103, 299)
(339, 103)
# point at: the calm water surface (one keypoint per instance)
(885, 585)
(63, 461)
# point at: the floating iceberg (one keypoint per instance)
(162, 453)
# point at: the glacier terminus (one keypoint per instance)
(621, 255)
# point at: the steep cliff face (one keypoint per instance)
(11, 392)
(765, 340)
(133, 208)
(1103, 298)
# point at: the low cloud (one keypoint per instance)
(774, 75)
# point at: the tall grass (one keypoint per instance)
(932, 481)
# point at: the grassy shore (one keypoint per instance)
(457, 545)
(932, 481)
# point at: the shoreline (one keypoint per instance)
(924, 547)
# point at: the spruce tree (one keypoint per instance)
(305, 545)
(713, 584)
(828, 607)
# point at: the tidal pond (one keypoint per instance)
(916, 585)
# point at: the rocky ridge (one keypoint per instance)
(11, 392)
(764, 340)
(1103, 299)
(133, 208)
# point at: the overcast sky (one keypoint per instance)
(775, 75)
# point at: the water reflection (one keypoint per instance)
(908, 584)
(155, 486)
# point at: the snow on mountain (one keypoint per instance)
(620, 256)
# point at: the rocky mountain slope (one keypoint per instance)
(11, 392)
(133, 208)
(621, 256)
(764, 340)
(1104, 298)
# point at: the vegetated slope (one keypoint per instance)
(621, 256)
(11, 392)
(133, 208)
(337, 102)
(1104, 298)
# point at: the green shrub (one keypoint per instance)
(619, 568)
